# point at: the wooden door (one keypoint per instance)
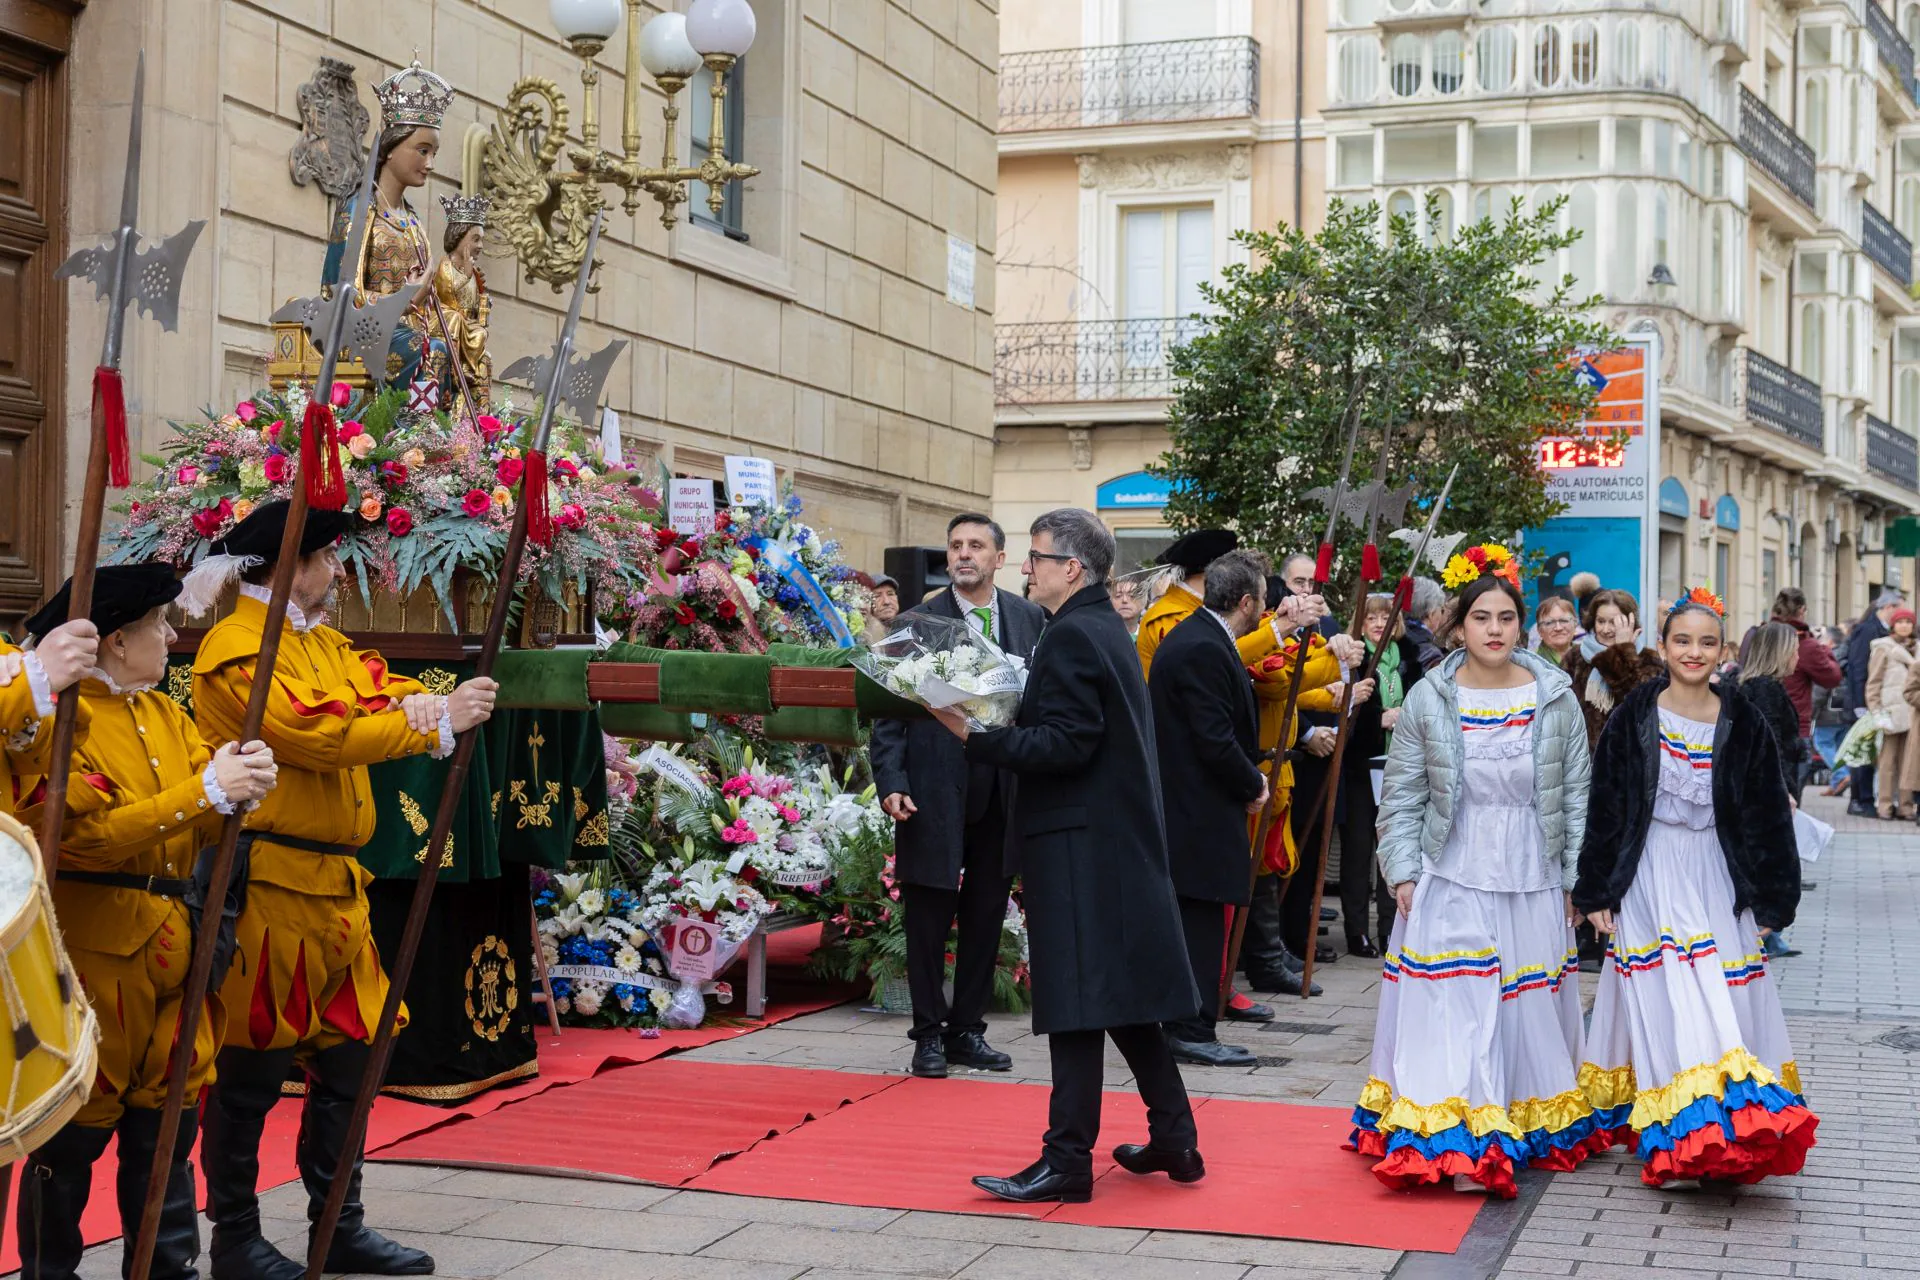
(33, 331)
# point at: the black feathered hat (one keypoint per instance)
(122, 593)
(256, 541)
(1195, 551)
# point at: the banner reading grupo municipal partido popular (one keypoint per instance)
(1607, 475)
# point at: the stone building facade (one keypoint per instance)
(825, 341)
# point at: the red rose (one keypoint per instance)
(342, 393)
(684, 614)
(273, 428)
(489, 425)
(476, 502)
(753, 552)
(207, 521)
(347, 431)
(664, 538)
(277, 468)
(399, 522)
(508, 472)
(572, 515)
(565, 467)
(723, 520)
(690, 548)
(395, 472)
(728, 609)
(1476, 557)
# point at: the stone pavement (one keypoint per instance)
(1854, 1212)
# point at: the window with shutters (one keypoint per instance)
(1167, 254)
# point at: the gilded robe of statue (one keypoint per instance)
(395, 247)
(465, 306)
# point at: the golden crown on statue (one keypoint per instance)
(466, 211)
(415, 96)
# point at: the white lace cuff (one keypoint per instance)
(41, 686)
(445, 748)
(216, 795)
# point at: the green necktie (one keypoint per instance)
(984, 615)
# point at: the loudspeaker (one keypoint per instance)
(918, 570)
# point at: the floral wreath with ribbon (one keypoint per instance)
(1700, 598)
(1488, 557)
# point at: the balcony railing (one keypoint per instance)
(1893, 454)
(1779, 398)
(1884, 244)
(1055, 362)
(1213, 79)
(1775, 147)
(1895, 53)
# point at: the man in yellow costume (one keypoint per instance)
(29, 683)
(1269, 651)
(306, 982)
(146, 796)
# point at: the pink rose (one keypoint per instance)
(276, 468)
(565, 467)
(476, 502)
(572, 515)
(186, 475)
(489, 425)
(347, 431)
(245, 411)
(342, 393)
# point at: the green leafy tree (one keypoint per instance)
(1461, 346)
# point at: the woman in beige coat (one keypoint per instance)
(1889, 667)
(1910, 760)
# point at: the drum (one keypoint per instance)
(47, 1071)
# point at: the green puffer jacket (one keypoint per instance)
(1421, 790)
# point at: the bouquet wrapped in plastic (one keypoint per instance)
(946, 662)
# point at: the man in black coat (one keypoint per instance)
(1874, 624)
(951, 817)
(1108, 955)
(1207, 726)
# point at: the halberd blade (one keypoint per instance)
(1391, 505)
(95, 265)
(369, 331)
(157, 273)
(586, 378)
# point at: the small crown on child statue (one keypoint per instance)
(415, 96)
(466, 211)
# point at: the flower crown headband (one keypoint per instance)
(1488, 557)
(1700, 598)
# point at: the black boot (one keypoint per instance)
(177, 1248)
(1261, 954)
(248, 1086)
(53, 1195)
(333, 1078)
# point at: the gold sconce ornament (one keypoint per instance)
(544, 209)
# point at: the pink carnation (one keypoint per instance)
(790, 814)
(737, 786)
(738, 833)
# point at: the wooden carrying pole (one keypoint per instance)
(1322, 570)
(452, 797)
(1328, 800)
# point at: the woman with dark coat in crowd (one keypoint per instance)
(1609, 663)
(1688, 855)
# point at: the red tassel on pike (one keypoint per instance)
(1403, 594)
(110, 417)
(533, 492)
(1323, 563)
(320, 459)
(1370, 563)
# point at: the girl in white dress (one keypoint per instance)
(1477, 1048)
(1689, 859)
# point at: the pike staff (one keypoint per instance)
(573, 382)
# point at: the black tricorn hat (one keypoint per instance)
(260, 533)
(1196, 550)
(122, 593)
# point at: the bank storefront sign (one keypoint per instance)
(1135, 491)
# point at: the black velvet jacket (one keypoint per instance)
(1750, 810)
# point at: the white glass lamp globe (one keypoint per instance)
(664, 48)
(585, 19)
(721, 26)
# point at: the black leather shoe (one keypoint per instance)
(1359, 944)
(364, 1251)
(1251, 1013)
(1292, 963)
(1290, 984)
(1328, 915)
(1038, 1183)
(970, 1049)
(1211, 1053)
(1324, 954)
(1181, 1166)
(333, 1076)
(928, 1060)
(1862, 809)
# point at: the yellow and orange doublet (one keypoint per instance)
(135, 805)
(306, 973)
(26, 742)
(1174, 608)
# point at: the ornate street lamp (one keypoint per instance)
(543, 209)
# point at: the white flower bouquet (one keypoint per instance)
(945, 662)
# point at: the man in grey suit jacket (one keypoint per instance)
(951, 817)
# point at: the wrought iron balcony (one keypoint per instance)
(1775, 147)
(1895, 53)
(1212, 79)
(1061, 361)
(1893, 454)
(1884, 244)
(1781, 399)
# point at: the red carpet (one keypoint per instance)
(725, 1109)
(1273, 1169)
(579, 1054)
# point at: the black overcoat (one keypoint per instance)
(921, 759)
(1107, 947)
(1207, 726)
(1751, 813)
